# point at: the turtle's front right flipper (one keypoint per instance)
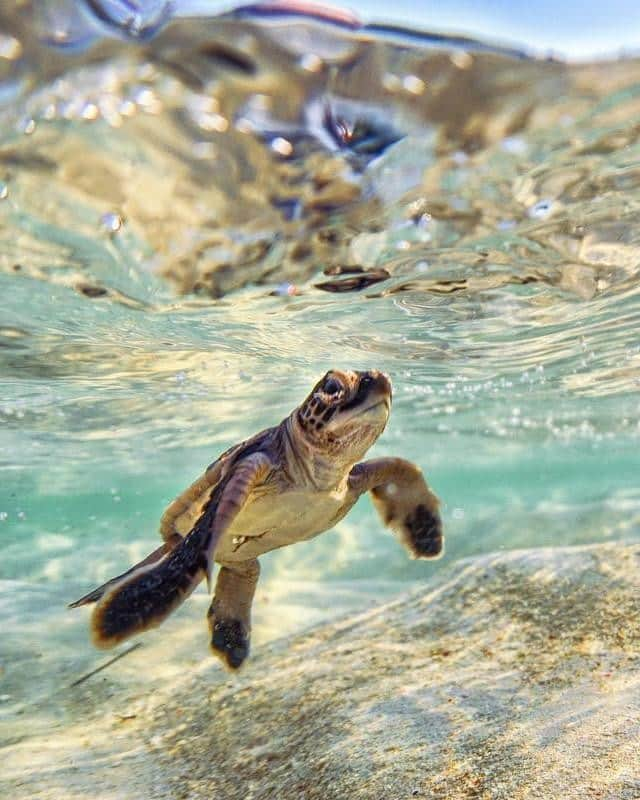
(145, 595)
(404, 501)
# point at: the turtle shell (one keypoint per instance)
(182, 514)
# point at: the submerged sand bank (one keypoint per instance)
(508, 676)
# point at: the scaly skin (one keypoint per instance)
(286, 484)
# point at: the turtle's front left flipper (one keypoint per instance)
(404, 501)
(144, 596)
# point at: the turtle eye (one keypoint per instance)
(365, 383)
(332, 387)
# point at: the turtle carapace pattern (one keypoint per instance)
(284, 485)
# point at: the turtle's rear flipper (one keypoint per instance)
(145, 595)
(230, 612)
(152, 558)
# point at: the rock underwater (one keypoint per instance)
(509, 676)
(515, 675)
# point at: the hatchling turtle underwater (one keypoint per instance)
(284, 485)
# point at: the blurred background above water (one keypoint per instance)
(199, 217)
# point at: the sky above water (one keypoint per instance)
(574, 29)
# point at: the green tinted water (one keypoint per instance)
(165, 219)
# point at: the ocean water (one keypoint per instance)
(193, 228)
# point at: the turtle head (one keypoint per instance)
(345, 413)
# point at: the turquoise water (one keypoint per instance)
(167, 214)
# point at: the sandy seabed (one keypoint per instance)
(513, 676)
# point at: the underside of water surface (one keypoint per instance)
(194, 227)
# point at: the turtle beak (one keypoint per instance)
(375, 400)
(381, 387)
(385, 383)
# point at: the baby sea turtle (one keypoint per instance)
(284, 485)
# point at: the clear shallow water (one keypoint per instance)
(168, 212)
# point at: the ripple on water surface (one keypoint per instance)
(192, 230)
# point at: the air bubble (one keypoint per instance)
(10, 47)
(311, 62)
(281, 146)
(413, 84)
(541, 209)
(127, 108)
(90, 112)
(212, 122)
(285, 290)
(111, 222)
